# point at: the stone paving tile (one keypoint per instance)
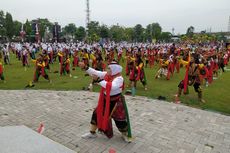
(157, 126)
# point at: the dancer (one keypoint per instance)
(111, 104)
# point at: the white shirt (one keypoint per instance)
(117, 83)
(24, 52)
(6, 51)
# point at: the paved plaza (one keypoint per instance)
(157, 126)
(21, 139)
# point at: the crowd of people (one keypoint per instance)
(202, 61)
(202, 64)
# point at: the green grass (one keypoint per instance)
(216, 95)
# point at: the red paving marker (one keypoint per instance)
(41, 128)
(111, 150)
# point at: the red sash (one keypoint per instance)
(1, 68)
(61, 61)
(103, 111)
(186, 80)
(138, 74)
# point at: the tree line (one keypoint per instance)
(95, 31)
(11, 28)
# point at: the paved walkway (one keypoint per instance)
(158, 127)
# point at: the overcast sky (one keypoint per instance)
(180, 14)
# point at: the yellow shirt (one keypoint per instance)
(185, 63)
(92, 57)
(140, 66)
(60, 54)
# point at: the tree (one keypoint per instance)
(116, 33)
(221, 37)
(190, 31)
(153, 31)
(43, 24)
(2, 24)
(70, 29)
(94, 38)
(129, 34)
(9, 25)
(2, 31)
(17, 28)
(2, 19)
(138, 33)
(80, 33)
(184, 37)
(28, 29)
(165, 36)
(93, 30)
(104, 31)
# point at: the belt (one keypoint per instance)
(115, 97)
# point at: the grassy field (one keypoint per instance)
(216, 95)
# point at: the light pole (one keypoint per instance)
(87, 18)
